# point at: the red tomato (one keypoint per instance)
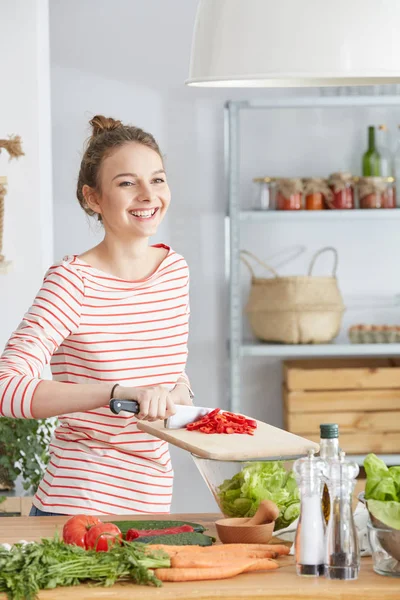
(102, 537)
(75, 529)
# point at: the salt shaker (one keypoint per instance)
(310, 534)
(342, 560)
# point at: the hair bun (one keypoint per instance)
(101, 124)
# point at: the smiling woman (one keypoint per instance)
(117, 313)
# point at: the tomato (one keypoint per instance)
(75, 529)
(103, 536)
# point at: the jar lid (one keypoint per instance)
(329, 431)
(263, 179)
(375, 179)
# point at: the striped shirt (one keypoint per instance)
(93, 327)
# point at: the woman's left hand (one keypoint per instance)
(181, 395)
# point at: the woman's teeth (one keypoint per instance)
(143, 214)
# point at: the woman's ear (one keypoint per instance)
(91, 199)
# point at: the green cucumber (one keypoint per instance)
(125, 525)
(292, 512)
(178, 539)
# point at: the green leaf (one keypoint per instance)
(24, 448)
(386, 512)
(241, 495)
(382, 483)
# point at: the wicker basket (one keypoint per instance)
(294, 310)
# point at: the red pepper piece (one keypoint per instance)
(213, 412)
(207, 429)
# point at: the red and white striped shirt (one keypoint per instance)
(93, 327)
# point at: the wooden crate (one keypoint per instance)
(361, 395)
(18, 505)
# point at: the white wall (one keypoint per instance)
(25, 110)
(76, 97)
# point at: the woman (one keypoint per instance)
(112, 322)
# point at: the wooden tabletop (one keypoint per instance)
(283, 584)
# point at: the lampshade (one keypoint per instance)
(291, 43)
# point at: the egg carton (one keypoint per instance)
(374, 334)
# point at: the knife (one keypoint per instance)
(183, 416)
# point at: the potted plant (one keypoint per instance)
(24, 451)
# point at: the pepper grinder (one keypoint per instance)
(310, 533)
(342, 560)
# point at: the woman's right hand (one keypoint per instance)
(155, 402)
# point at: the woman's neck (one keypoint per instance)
(130, 261)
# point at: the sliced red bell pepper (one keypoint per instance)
(218, 421)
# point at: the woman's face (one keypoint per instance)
(134, 191)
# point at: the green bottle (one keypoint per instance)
(371, 158)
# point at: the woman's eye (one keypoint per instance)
(159, 180)
(126, 183)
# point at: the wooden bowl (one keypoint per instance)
(235, 531)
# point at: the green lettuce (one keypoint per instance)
(387, 513)
(383, 483)
(241, 495)
(382, 491)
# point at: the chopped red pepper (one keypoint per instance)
(223, 422)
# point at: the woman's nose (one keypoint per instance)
(145, 193)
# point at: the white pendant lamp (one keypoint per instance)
(292, 43)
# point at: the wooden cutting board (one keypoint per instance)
(267, 442)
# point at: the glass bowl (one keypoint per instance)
(239, 486)
(385, 548)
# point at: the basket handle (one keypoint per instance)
(260, 262)
(317, 254)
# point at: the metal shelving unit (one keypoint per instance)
(237, 347)
(276, 216)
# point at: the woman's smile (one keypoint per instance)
(141, 214)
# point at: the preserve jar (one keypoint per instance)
(342, 187)
(377, 192)
(289, 194)
(263, 193)
(316, 193)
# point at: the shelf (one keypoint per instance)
(391, 460)
(319, 350)
(257, 216)
(319, 102)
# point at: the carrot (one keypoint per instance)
(190, 560)
(263, 564)
(264, 550)
(278, 548)
(193, 574)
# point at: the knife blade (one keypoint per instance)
(183, 416)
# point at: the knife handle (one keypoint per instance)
(127, 405)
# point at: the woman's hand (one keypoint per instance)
(181, 395)
(156, 403)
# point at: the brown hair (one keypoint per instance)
(107, 135)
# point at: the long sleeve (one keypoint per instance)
(183, 378)
(54, 315)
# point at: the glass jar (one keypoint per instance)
(263, 193)
(289, 194)
(342, 187)
(316, 193)
(377, 192)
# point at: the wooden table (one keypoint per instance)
(283, 584)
